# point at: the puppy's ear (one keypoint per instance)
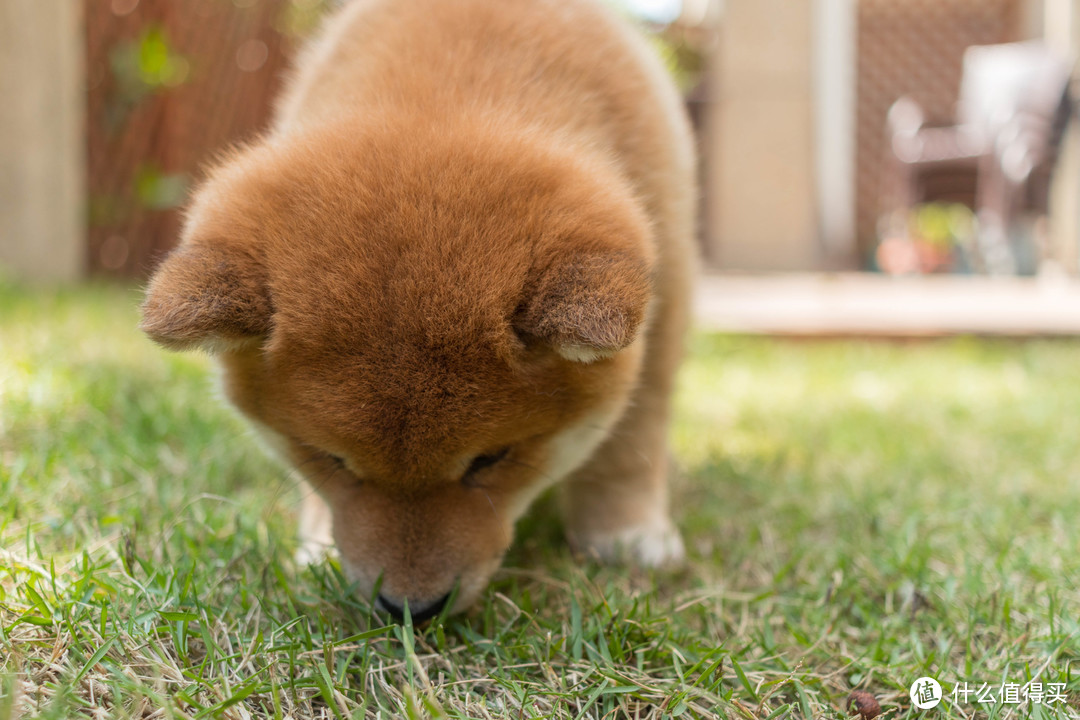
(207, 296)
(587, 306)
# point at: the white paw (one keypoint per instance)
(657, 544)
(313, 552)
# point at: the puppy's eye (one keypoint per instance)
(336, 459)
(482, 462)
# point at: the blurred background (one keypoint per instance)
(869, 166)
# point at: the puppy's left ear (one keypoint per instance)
(588, 306)
(207, 296)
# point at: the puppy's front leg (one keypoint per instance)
(316, 529)
(616, 506)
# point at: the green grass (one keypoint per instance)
(857, 515)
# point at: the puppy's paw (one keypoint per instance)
(313, 552)
(315, 531)
(656, 544)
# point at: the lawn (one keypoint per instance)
(857, 515)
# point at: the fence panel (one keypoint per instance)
(170, 84)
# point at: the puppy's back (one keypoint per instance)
(565, 66)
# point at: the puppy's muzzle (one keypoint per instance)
(417, 609)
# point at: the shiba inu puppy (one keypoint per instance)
(454, 272)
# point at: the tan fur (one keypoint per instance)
(469, 229)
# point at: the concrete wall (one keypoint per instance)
(1062, 22)
(762, 193)
(835, 59)
(42, 218)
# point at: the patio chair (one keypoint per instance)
(997, 158)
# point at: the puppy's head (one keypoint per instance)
(432, 329)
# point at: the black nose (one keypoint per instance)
(417, 610)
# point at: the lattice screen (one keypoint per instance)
(914, 47)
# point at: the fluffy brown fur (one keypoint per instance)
(468, 235)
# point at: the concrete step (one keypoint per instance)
(865, 304)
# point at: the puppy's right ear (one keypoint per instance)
(588, 306)
(207, 296)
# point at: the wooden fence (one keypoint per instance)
(170, 84)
